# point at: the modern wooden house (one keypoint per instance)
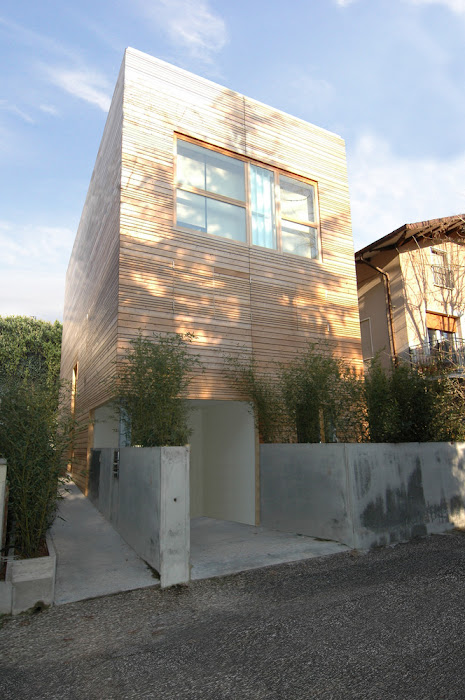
(411, 288)
(207, 212)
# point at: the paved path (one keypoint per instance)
(387, 625)
(219, 547)
(92, 559)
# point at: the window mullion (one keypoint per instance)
(248, 201)
(212, 195)
(300, 221)
(277, 199)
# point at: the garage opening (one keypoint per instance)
(223, 478)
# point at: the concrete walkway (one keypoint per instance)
(220, 547)
(93, 560)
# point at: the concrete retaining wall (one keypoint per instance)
(363, 494)
(145, 495)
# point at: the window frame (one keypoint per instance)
(246, 204)
(443, 270)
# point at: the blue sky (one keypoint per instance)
(387, 75)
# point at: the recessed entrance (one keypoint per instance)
(222, 461)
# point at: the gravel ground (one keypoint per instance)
(387, 624)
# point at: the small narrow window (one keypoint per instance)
(74, 390)
(442, 272)
(298, 236)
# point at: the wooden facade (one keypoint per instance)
(133, 268)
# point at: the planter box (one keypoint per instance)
(29, 583)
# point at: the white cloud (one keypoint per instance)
(33, 269)
(190, 24)
(83, 83)
(457, 6)
(344, 3)
(39, 42)
(13, 109)
(49, 109)
(389, 190)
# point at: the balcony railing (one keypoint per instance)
(443, 276)
(448, 355)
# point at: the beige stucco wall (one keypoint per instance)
(421, 293)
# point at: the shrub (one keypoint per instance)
(449, 418)
(315, 398)
(149, 387)
(406, 405)
(29, 345)
(34, 436)
(35, 439)
(261, 390)
(323, 397)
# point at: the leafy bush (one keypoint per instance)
(35, 433)
(150, 386)
(406, 405)
(314, 398)
(449, 418)
(262, 391)
(29, 345)
(35, 439)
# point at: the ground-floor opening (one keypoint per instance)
(223, 462)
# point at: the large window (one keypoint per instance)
(242, 201)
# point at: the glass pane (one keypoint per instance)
(297, 199)
(226, 220)
(225, 175)
(262, 205)
(191, 165)
(298, 239)
(191, 210)
(207, 170)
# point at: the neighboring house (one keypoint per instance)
(212, 213)
(411, 290)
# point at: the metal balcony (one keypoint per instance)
(446, 355)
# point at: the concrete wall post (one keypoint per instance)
(144, 493)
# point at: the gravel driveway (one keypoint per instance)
(386, 624)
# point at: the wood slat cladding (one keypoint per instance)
(90, 324)
(133, 269)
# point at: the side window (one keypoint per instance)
(74, 381)
(442, 272)
(299, 234)
(367, 340)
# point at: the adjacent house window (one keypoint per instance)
(442, 272)
(243, 201)
(367, 339)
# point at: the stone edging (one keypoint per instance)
(29, 583)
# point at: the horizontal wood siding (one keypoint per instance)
(132, 269)
(91, 297)
(234, 298)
